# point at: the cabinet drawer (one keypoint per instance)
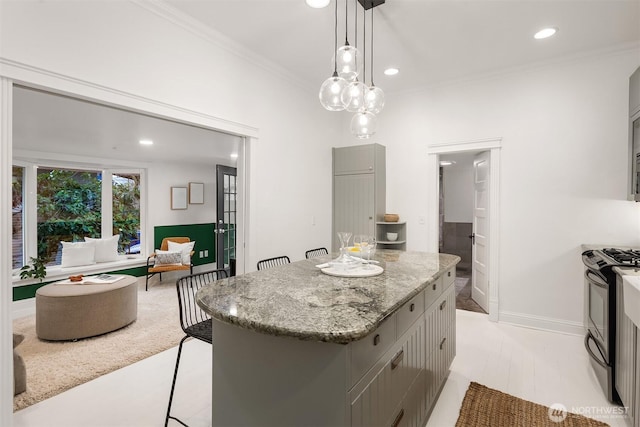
(365, 352)
(375, 404)
(448, 277)
(409, 312)
(432, 292)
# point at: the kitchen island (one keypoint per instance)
(293, 346)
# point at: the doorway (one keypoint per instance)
(226, 194)
(457, 221)
(486, 197)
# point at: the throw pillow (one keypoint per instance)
(106, 249)
(78, 253)
(184, 248)
(168, 258)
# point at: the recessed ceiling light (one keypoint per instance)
(234, 155)
(391, 71)
(146, 142)
(447, 162)
(318, 4)
(545, 32)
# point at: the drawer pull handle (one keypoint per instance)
(449, 273)
(412, 307)
(397, 359)
(442, 342)
(396, 422)
(443, 304)
(434, 286)
(376, 339)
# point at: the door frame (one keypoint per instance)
(25, 75)
(493, 146)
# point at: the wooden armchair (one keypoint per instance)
(154, 268)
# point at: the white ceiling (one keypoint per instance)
(430, 41)
(51, 123)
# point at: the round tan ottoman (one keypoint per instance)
(69, 311)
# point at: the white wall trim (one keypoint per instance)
(50, 81)
(188, 23)
(6, 292)
(542, 323)
(493, 145)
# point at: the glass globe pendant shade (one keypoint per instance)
(348, 62)
(374, 99)
(364, 124)
(353, 96)
(331, 93)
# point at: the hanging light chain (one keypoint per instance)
(371, 69)
(335, 41)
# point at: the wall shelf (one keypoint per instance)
(400, 227)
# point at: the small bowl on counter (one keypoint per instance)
(392, 237)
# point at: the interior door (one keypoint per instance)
(226, 195)
(480, 250)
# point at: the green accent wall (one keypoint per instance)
(202, 234)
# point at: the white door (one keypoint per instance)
(480, 250)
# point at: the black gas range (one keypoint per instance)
(605, 259)
(601, 311)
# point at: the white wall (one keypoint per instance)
(458, 192)
(124, 46)
(563, 175)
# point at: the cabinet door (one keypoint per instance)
(354, 160)
(625, 353)
(374, 405)
(353, 204)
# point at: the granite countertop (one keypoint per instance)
(298, 300)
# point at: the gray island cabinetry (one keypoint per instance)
(296, 347)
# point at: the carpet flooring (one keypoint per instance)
(53, 367)
(486, 407)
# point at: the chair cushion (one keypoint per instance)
(184, 248)
(168, 258)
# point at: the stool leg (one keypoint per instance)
(173, 386)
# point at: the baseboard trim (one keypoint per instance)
(542, 323)
(23, 308)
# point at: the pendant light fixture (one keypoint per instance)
(332, 88)
(348, 61)
(344, 90)
(374, 96)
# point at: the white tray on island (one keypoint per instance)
(360, 271)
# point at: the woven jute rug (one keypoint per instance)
(486, 407)
(56, 366)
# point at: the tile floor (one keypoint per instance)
(540, 366)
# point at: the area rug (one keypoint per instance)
(53, 367)
(486, 407)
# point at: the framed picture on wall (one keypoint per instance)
(178, 197)
(196, 193)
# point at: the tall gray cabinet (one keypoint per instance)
(359, 189)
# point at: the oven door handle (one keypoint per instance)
(597, 280)
(591, 354)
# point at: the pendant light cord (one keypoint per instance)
(364, 46)
(346, 21)
(335, 41)
(371, 69)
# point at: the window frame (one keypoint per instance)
(30, 204)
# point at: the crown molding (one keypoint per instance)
(619, 49)
(198, 28)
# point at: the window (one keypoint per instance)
(126, 211)
(17, 217)
(52, 204)
(69, 209)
